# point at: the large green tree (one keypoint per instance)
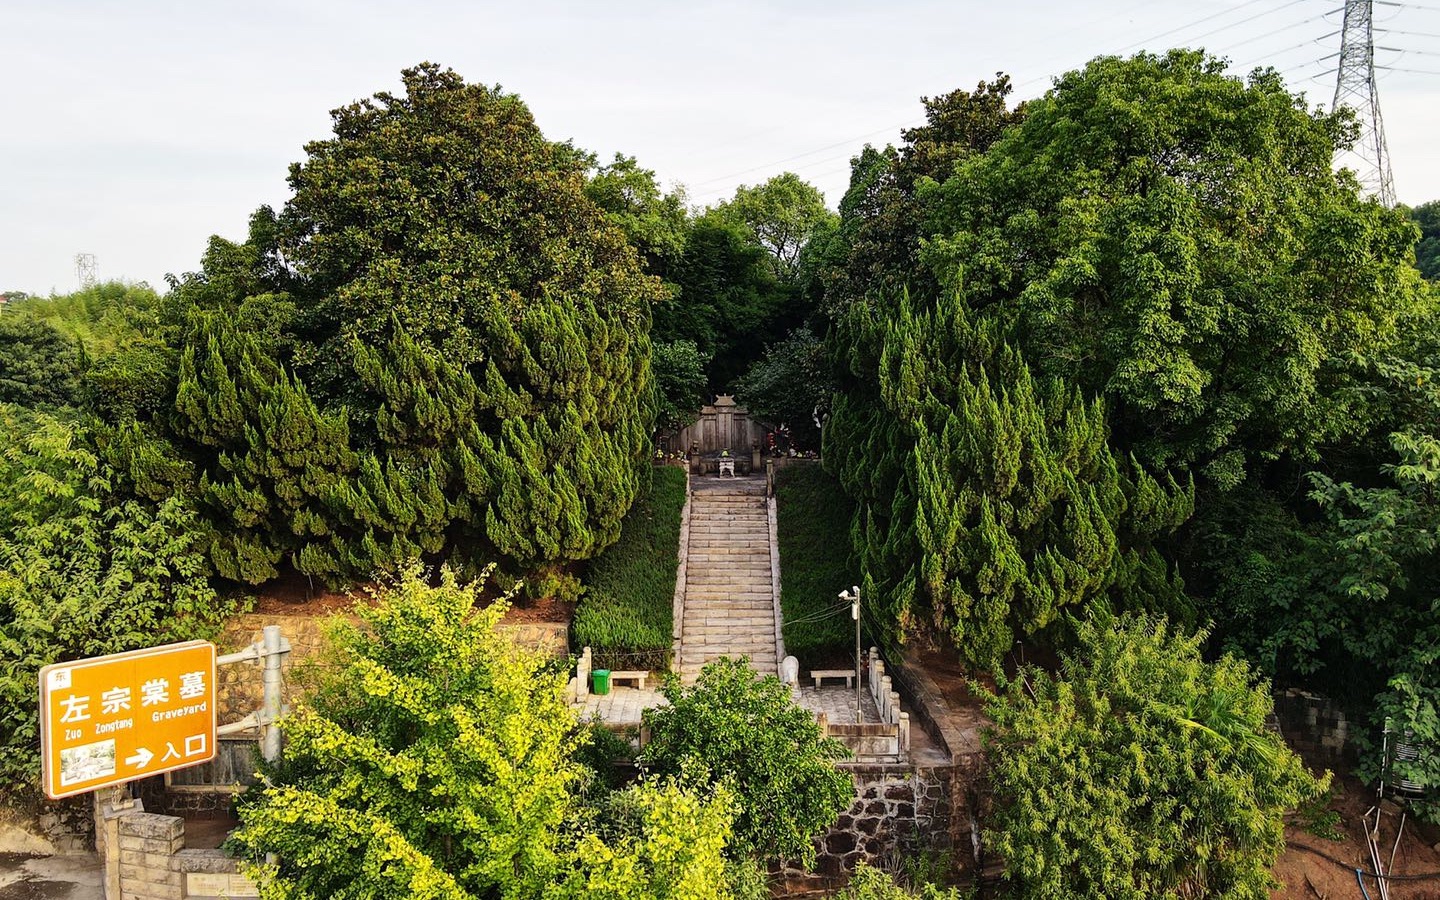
(443, 217)
(989, 501)
(1139, 770)
(780, 215)
(1174, 240)
(439, 345)
(874, 248)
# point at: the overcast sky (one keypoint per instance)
(134, 130)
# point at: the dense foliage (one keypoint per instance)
(627, 613)
(38, 365)
(735, 731)
(989, 501)
(1102, 230)
(84, 570)
(437, 758)
(1427, 252)
(439, 346)
(791, 385)
(1139, 771)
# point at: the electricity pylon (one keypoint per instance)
(85, 270)
(1369, 159)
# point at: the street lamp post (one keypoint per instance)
(853, 595)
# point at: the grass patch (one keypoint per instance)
(626, 616)
(816, 563)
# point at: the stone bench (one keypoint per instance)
(636, 676)
(819, 675)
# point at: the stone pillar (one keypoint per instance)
(148, 844)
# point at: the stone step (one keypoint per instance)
(722, 641)
(719, 587)
(712, 605)
(729, 606)
(739, 582)
(756, 661)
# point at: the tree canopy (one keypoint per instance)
(1174, 240)
(990, 502)
(438, 759)
(737, 732)
(1139, 771)
(440, 345)
(1427, 252)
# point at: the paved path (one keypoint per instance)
(729, 604)
(24, 877)
(622, 706)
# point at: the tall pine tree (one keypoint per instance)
(989, 500)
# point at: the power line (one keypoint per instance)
(696, 186)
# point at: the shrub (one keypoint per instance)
(1140, 770)
(439, 759)
(743, 733)
(627, 615)
(816, 563)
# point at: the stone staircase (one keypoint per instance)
(729, 609)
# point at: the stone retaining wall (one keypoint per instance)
(1316, 727)
(898, 812)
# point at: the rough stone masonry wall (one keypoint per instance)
(899, 812)
(1315, 726)
(240, 686)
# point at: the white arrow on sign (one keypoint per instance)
(141, 759)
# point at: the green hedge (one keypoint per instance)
(816, 563)
(627, 616)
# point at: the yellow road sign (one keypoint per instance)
(112, 719)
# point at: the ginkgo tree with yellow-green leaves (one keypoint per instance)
(436, 758)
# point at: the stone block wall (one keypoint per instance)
(1316, 727)
(150, 862)
(898, 811)
(148, 844)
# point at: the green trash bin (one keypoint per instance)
(601, 678)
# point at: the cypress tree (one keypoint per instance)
(990, 502)
(480, 319)
(269, 459)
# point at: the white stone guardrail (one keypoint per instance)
(887, 699)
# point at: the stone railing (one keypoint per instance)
(579, 687)
(885, 741)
